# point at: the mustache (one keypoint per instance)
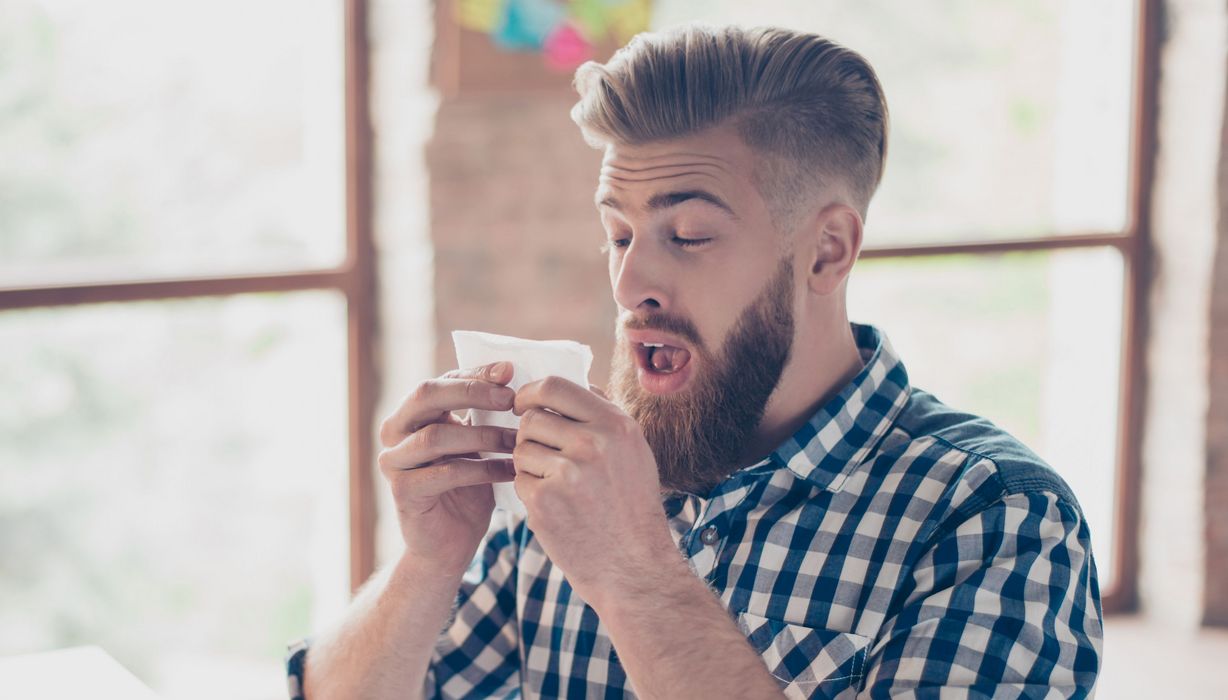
(668, 323)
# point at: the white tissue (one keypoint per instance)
(531, 360)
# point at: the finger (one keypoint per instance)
(561, 396)
(433, 480)
(432, 400)
(497, 372)
(527, 487)
(439, 440)
(549, 429)
(538, 460)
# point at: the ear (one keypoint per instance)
(833, 243)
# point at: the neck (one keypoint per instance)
(824, 360)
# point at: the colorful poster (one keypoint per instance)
(564, 32)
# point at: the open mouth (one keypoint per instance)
(660, 358)
(664, 368)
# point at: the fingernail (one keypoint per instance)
(497, 369)
(509, 440)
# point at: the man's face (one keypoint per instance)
(705, 296)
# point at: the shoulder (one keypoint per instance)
(986, 463)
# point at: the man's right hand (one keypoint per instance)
(440, 485)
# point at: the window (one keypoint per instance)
(1005, 251)
(186, 321)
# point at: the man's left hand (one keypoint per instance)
(590, 485)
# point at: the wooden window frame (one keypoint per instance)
(1134, 244)
(461, 57)
(354, 277)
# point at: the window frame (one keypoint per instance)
(354, 277)
(461, 55)
(1133, 242)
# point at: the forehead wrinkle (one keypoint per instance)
(609, 184)
(634, 158)
(631, 172)
(669, 161)
(632, 165)
(646, 167)
(612, 175)
(688, 169)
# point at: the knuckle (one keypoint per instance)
(430, 438)
(440, 472)
(488, 438)
(421, 393)
(427, 479)
(472, 391)
(568, 471)
(386, 432)
(495, 439)
(588, 445)
(529, 418)
(498, 469)
(552, 384)
(491, 467)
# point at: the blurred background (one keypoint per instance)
(233, 235)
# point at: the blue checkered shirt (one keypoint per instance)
(893, 547)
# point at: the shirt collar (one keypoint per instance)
(837, 438)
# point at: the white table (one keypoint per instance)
(78, 672)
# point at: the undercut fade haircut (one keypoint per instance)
(812, 110)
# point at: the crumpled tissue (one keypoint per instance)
(531, 360)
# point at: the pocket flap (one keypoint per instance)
(808, 661)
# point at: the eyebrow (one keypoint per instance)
(665, 200)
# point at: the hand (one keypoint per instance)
(589, 482)
(440, 485)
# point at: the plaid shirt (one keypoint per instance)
(892, 547)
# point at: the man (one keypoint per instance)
(765, 506)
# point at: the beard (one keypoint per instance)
(698, 434)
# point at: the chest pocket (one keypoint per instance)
(808, 662)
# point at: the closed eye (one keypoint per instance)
(690, 242)
(615, 243)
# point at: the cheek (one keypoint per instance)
(714, 311)
(720, 294)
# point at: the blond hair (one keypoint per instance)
(813, 110)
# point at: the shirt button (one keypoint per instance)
(709, 535)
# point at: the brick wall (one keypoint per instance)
(515, 239)
(513, 226)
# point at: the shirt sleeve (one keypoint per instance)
(295, 655)
(477, 653)
(1004, 606)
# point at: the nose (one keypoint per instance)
(639, 279)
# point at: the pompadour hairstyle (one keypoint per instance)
(813, 110)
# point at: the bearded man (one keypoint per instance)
(764, 506)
